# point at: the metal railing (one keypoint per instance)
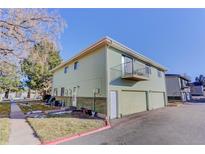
(130, 69)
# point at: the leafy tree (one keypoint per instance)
(9, 79)
(20, 31)
(200, 79)
(36, 68)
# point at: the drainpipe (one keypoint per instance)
(107, 80)
(70, 93)
(147, 101)
(94, 101)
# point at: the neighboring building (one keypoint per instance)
(19, 95)
(178, 87)
(197, 89)
(112, 79)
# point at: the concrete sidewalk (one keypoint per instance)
(20, 132)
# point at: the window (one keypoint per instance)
(65, 70)
(148, 69)
(159, 73)
(62, 91)
(74, 89)
(127, 65)
(76, 65)
(184, 83)
(55, 91)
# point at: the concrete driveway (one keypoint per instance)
(170, 125)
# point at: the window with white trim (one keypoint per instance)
(55, 91)
(66, 70)
(159, 73)
(62, 91)
(76, 65)
(148, 69)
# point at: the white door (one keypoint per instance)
(113, 101)
(183, 97)
(74, 97)
(188, 96)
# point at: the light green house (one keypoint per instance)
(112, 79)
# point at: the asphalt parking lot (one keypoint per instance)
(166, 126)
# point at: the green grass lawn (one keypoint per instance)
(5, 109)
(35, 107)
(49, 129)
(4, 130)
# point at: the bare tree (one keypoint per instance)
(21, 29)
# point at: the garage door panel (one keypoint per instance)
(133, 102)
(156, 100)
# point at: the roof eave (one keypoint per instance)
(177, 75)
(85, 51)
(108, 41)
(137, 55)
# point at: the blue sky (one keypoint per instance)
(174, 38)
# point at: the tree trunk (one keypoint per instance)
(29, 93)
(44, 93)
(7, 94)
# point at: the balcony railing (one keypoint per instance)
(132, 71)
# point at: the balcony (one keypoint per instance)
(132, 71)
(137, 75)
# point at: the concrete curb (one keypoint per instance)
(69, 138)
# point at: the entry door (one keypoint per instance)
(74, 97)
(113, 100)
(188, 96)
(127, 64)
(183, 96)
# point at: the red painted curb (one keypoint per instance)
(69, 138)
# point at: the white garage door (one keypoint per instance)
(156, 100)
(132, 102)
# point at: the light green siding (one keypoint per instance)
(156, 100)
(115, 82)
(135, 102)
(90, 75)
(101, 69)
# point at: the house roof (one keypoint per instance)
(110, 42)
(177, 75)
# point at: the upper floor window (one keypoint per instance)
(148, 69)
(126, 59)
(159, 73)
(184, 83)
(76, 65)
(62, 91)
(66, 69)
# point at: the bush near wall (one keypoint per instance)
(86, 102)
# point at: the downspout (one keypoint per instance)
(165, 92)
(108, 79)
(70, 95)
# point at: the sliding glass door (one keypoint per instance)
(127, 65)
